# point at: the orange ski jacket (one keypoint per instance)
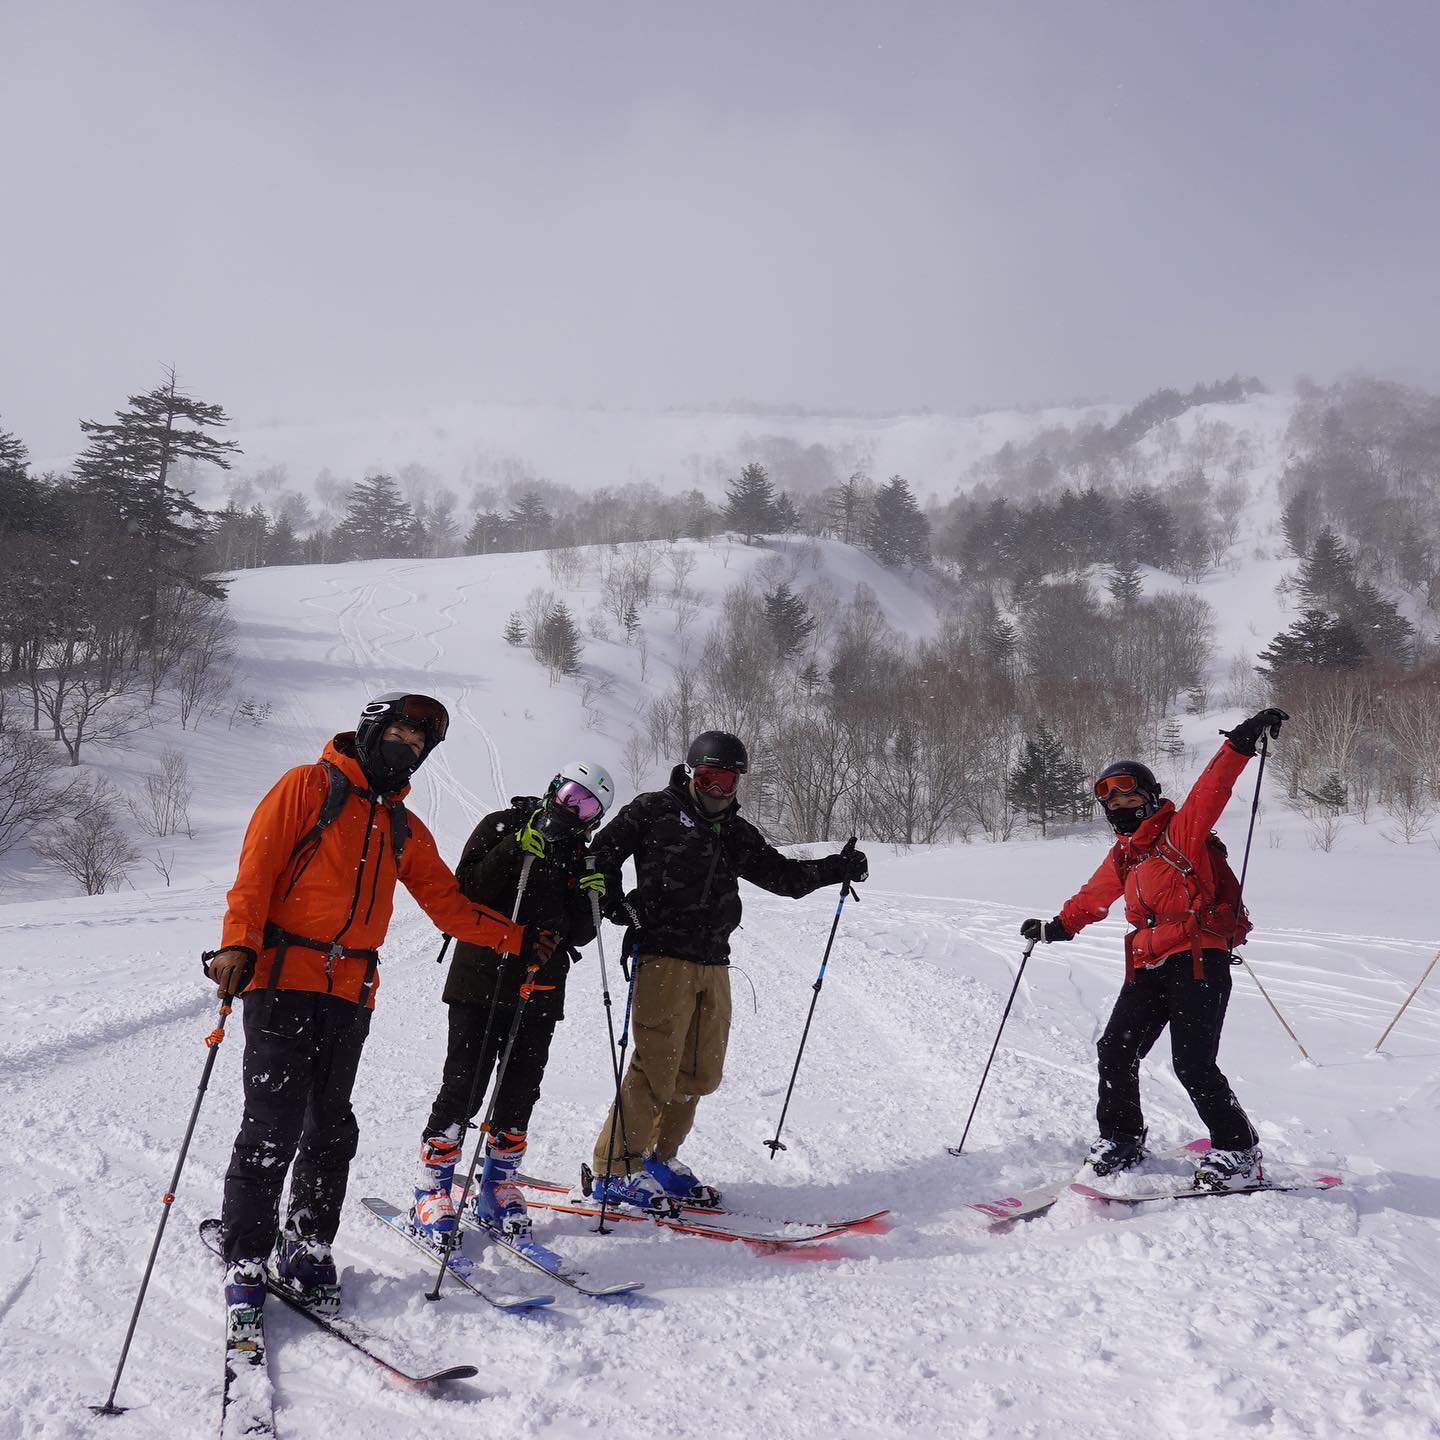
(344, 892)
(1169, 911)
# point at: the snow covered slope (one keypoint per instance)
(1303, 1315)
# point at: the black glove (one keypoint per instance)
(859, 866)
(1246, 735)
(1049, 931)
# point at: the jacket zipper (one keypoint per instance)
(710, 873)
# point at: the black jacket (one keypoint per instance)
(490, 867)
(688, 867)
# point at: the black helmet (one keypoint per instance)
(720, 749)
(1127, 776)
(384, 764)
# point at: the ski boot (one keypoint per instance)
(432, 1217)
(638, 1191)
(676, 1178)
(1221, 1170)
(1108, 1156)
(244, 1306)
(498, 1201)
(305, 1265)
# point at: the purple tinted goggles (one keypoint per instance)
(574, 796)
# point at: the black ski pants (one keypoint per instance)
(301, 1056)
(469, 1055)
(1169, 994)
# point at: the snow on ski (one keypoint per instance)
(341, 1327)
(1001, 1210)
(247, 1399)
(548, 1262)
(459, 1266)
(1200, 1192)
(713, 1213)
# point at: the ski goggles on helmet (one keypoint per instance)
(1108, 785)
(419, 710)
(715, 781)
(574, 796)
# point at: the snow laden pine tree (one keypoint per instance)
(556, 641)
(750, 503)
(1046, 783)
(897, 532)
(789, 620)
(378, 524)
(847, 507)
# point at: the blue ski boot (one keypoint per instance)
(638, 1191)
(244, 1303)
(305, 1265)
(498, 1201)
(676, 1178)
(432, 1217)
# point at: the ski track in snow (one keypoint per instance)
(1308, 1316)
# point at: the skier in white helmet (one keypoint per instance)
(483, 988)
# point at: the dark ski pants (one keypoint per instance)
(1169, 994)
(469, 1055)
(300, 1062)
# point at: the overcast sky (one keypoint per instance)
(315, 209)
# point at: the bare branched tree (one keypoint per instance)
(91, 845)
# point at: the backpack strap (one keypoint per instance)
(399, 829)
(1177, 860)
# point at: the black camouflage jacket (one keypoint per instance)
(489, 873)
(688, 867)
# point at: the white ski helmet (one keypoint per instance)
(595, 778)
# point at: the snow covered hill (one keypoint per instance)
(1289, 1316)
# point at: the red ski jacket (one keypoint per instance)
(1169, 910)
(344, 891)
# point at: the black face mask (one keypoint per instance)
(392, 767)
(1127, 822)
(558, 822)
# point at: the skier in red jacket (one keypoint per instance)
(1177, 956)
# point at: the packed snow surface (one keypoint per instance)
(1284, 1315)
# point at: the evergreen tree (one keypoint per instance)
(898, 532)
(1149, 529)
(514, 631)
(557, 641)
(1046, 783)
(378, 524)
(530, 523)
(1331, 794)
(487, 533)
(787, 518)
(750, 502)
(1316, 638)
(1387, 634)
(283, 545)
(698, 518)
(631, 620)
(126, 468)
(1299, 520)
(789, 620)
(1327, 574)
(14, 457)
(1124, 583)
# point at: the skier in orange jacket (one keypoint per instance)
(308, 911)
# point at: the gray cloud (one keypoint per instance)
(333, 207)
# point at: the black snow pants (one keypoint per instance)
(1169, 994)
(301, 1056)
(469, 1055)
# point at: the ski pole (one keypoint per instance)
(1408, 999)
(616, 1120)
(213, 1042)
(609, 1014)
(845, 854)
(477, 1084)
(984, 1074)
(1240, 892)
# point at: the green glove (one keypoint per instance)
(593, 882)
(530, 840)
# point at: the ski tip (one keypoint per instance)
(521, 1302)
(454, 1372)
